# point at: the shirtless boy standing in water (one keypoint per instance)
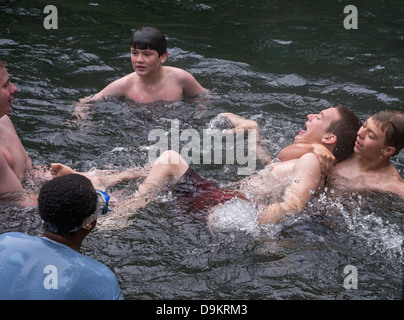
(151, 81)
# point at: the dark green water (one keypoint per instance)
(274, 61)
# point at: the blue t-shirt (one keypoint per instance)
(43, 269)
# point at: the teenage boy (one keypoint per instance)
(151, 81)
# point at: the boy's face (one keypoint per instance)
(317, 125)
(146, 62)
(370, 140)
(7, 90)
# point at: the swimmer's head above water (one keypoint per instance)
(149, 38)
(323, 127)
(70, 202)
(391, 123)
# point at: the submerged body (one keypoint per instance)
(350, 176)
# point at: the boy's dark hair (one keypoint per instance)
(392, 123)
(346, 130)
(149, 38)
(65, 201)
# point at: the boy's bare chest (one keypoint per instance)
(351, 177)
(269, 183)
(164, 90)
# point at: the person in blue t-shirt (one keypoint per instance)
(52, 267)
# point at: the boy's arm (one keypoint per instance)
(306, 179)
(82, 108)
(241, 123)
(9, 123)
(114, 87)
(296, 150)
(9, 181)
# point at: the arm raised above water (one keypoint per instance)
(241, 123)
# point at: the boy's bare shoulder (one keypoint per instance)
(129, 78)
(173, 69)
(178, 73)
(7, 126)
(391, 181)
(6, 121)
(309, 159)
(190, 86)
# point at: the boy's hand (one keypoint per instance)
(239, 122)
(325, 157)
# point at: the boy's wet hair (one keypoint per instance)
(391, 122)
(345, 129)
(149, 38)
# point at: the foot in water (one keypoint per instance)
(58, 170)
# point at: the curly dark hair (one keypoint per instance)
(65, 201)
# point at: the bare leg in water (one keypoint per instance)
(101, 179)
(167, 170)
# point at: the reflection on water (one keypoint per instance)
(274, 64)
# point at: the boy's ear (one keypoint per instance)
(389, 151)
(329, 138)
(163, 57)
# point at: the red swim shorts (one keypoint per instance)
(199, 192)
